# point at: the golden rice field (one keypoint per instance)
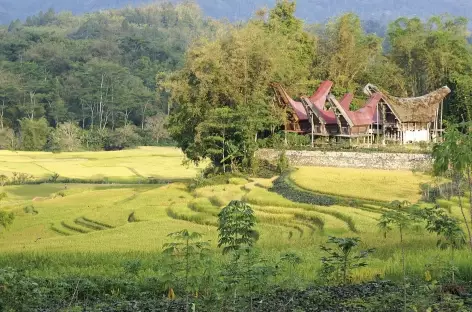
(145, 162)
(382, 185)
(63, 219)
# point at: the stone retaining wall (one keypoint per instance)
(387, 161)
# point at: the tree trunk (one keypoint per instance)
(1, 115)
(100, 105)
(32, 102)
(463, 214)
(92, 116)
(143, 115)
(403, 268)
(453, 266)
(469, 185)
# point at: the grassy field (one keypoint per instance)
(86, 228)
(382, 185)
(129, 165)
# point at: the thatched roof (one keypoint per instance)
(416, 109)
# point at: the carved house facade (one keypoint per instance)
(382, 118)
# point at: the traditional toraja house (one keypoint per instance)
(407, 120)
(383, 117)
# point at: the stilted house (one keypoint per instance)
(383, 117)
(304, 118)
(407, 120)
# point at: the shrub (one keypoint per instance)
(341, 259)
(155, 126)
(283, 164)
(263, 168)
(121, 138)
(19, 178)
(6, 219)
(66, 137)
(33, 134)
(54, 177)
(3, 180)
(8, 139)
(95, 139)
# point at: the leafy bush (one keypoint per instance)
(6, 219)
(341, 260)
(95, 139)
(19, 178)
(8, 139)
(283, 164)
(66, 137)
(263, 168)
(33, 134)
(121, 138)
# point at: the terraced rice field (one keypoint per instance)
(382, 185)
(92, 220)
(129, 165)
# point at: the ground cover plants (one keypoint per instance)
(103, 246)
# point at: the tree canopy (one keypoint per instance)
(128, 69)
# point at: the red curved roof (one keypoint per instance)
(367, 114)
(346, 101)
(318, 99)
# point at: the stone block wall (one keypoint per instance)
(386, 161)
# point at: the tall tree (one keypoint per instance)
(228, 81)
(346, 51)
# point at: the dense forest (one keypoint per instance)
(117, 74)
(98, 71)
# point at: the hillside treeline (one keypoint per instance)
(109, 79)
(224, 93)
(98, 71)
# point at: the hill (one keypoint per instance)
(311, 10)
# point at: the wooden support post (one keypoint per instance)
(441, 120)
(378, 130)
(312, 131)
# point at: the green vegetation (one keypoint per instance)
(87, 83)
(110, 80)
(86, 229)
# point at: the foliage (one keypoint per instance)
(347, 51)
(98, 70)
(224, 90)
(34, 134)
(66, 137)
(283, 164)
(341, 260)
(6, 219)
(235, 227)
(8, 139)
(439, 222)
(19, 178)
(402, 220)
(453, 157)
(448, 228)
(125, 137)
(187, 256)
(155, 125)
